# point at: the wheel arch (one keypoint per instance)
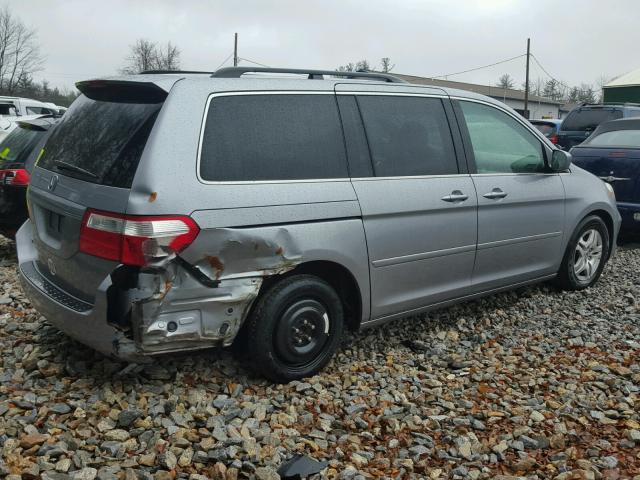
(341, 280)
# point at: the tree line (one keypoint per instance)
(561, 92)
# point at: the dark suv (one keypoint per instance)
(583, 120)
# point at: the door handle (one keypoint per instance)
(455, 196)
(495, 193)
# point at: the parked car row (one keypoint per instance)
(604, 140)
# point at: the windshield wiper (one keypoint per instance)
(72, 168)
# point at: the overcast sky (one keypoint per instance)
(575, 41)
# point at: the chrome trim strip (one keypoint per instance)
(409, 177)
(510, 241)
(512, 174)
(392, 94)
(385, 262)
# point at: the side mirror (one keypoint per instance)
(560, 161)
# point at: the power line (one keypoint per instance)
(480, 68)
(548, 74)
(225, 60)
(251, 61)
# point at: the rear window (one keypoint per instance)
(100, 141)
(588, 119)
(616, 138)
(17, 146)
(545, 128)
(272, 137)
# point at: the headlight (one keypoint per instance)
(610, 191)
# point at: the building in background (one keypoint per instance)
(625, 88)
(539, 107)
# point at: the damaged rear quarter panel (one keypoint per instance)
(239, 259)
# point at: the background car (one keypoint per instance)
(549, 127)
(8, 124)
(612, 153)
(583, 120)
(18, 154)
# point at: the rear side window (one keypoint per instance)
(585, 119)
(545, 128)
(616, 138)
(272, 137)
(100, 141)
(15, 149)
(408, 136)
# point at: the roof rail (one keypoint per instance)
(237, 72)
(631, 104)
(160, 72)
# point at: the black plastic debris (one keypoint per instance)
(299, 467)
(417, 346)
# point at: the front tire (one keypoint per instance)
(295, 328)
(585, 256)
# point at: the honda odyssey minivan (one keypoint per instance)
(187, 210)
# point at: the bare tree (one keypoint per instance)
(360, 66)
(169, 58)
(363, 66)
(505, 81)
(147, 55)
(19, 52)
(385, 63)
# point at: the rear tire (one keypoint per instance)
(295, 328)
(585, 256)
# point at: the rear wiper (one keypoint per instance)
(72, 168)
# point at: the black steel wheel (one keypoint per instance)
(295, 328)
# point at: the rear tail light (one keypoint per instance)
(14, 177)
(553, 138)
(135, 240)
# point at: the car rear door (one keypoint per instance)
(520, 206)
(418, 202)
(88, 162)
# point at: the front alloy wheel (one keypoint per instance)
(587, 256)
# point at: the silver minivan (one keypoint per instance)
(276, 208)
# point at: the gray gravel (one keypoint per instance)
(534, 383)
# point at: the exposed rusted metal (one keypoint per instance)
(173, 308)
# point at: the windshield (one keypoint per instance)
(585, 119)
(17, 146)
(616, 138)
(100, 141)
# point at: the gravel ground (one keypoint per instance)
(534, 383)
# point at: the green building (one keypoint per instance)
(625, 88)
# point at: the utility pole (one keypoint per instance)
(526, 82)
(235, 52)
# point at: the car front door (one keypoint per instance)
(520, 204)
(418, 206)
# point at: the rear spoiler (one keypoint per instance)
(124, 91)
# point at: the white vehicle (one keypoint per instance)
(18, 107)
